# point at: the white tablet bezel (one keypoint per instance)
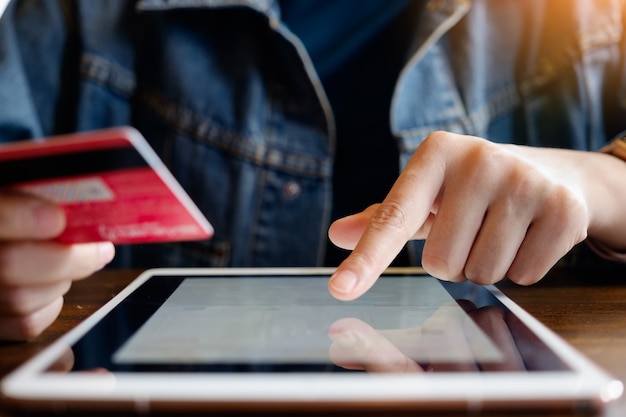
(587, 387)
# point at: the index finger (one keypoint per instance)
(26, 217)
(395, 221)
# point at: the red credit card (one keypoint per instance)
(110, 183)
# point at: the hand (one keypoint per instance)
(486, 211)
(35, 271)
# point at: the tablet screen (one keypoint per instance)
(290, 323)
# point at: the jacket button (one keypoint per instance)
(292, 189)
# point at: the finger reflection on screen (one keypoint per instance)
(493, 321)
(358, 346)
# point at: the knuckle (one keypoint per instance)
(569, 214)
(363, 259)
(562, 201)
(487, 154)
(483, 163)
(437, 138)
(435, 145)
(522, 185)
(391, 216)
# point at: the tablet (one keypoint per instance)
(275, 339)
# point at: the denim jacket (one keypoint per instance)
(229, 99)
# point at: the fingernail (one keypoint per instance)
(106, 251)
(48, 220)
(343, 281)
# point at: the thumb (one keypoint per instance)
(26, 217)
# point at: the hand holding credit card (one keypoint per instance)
(111, 184)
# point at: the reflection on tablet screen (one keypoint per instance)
(287, 324)
(288, 321)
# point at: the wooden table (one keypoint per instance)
(585, 307)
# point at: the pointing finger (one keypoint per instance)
(403, 212)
